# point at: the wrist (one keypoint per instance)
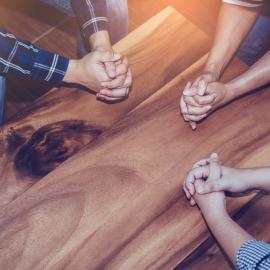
(213, 69)
(232, 90)
(212, 216)
(100, 41)
(71, 75)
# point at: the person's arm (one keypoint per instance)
(231, 179)
(218, 94)
(94, 24)
(21, 58)
(256, 76)
(241, 248)
(93, 20)
(233, 25)
(239, 245)
(213, 207)
(227, 232)
(258, 178)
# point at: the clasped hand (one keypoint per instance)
(207, 180)
(105, 72)
(202, 97)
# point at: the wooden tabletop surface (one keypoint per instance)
(118, 204)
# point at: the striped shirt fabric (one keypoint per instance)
(91, 15)
(246, 3)
(253, 255)
(21, 58)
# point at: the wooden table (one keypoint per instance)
(118, 203)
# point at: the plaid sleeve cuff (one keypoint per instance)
(253, 255)
(91, 15)
(21, 58)
(49, 67)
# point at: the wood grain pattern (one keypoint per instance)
(49, 28)
(202, 13)
(170, 230)
(28, 19)
(117, 204)
(152, 67)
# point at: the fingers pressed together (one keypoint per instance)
(201, 178)
(120, 82)
(195, 103)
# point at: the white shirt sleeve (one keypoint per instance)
(245, 3)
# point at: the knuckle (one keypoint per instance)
(199, 100)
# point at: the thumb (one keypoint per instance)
(193, 125)
(215, 169)
(110, 69)
(108, 57)
(210, 186)
(202, 87)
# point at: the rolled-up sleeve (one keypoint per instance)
(246, 3)
(21, 58)
(91, 15)
(253, 255)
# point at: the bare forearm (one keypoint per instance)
(258, 178)
(234, 23)
(256, 76)
(228, 233)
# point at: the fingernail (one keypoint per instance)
(214, 155)
(187, 93)
(103, 84)
(201, 92)
(202, 87)
(116, 54)
(209, 107)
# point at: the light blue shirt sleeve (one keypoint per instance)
(253, 255)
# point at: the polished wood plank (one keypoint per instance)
(28, 19)
(152, 67)
(117, 205)
(61, 40)
(202, 13)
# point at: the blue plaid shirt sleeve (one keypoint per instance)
(253, 255)
(21, 58)
(91, 15)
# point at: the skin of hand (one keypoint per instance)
(213, 207)
(200, 86)
(198, 107)
(90, 71)
(231, 180)
(119, 88)
(233, 24)
(119, 72)
(211, 202)
(225, 230)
